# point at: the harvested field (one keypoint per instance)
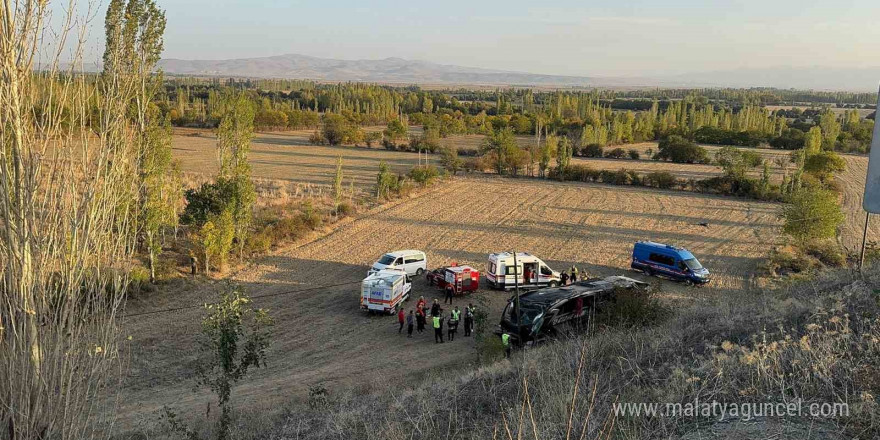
(289, 156)
(853, 188)
(321, 336)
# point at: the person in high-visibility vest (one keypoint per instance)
(438, 329)
(505, 339)
(574, 274)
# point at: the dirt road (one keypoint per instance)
(321, 336)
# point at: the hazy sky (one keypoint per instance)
(561, 37)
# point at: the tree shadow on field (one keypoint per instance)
(345, 152)
(670, 217)
(569, 231)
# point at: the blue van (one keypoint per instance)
(670, 261)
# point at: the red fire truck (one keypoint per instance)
(460, 279)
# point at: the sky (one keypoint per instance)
(565, 37)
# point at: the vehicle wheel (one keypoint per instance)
(689, 283)
(649, 272)
(554, 284)
(420, 272)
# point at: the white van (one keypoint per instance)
(413, 262)
(529, 272)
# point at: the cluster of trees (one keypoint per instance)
(724, 117)
(220, 212)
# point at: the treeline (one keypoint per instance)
(725, 116)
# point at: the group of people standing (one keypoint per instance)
(418, 318)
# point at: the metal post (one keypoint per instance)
(516, 292)
(864, 241)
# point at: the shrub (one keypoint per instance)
(578, 173)
(619, 177)
(812, 214)
(729, 185)
(826, 251)
(424, 175)
(789, 260)
(345, 209)
(634, 154)
(680, 150)
(617, 153)
(823, 165)
(592, 150)
(633, 308)
(661, 179)
(212, 198)
(316, 138)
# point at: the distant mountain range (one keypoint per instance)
(402, 71)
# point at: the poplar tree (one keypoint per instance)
(337, 186)
(134, 42)
(234, 135)
(563, 157)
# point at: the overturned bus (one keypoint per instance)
(558, 310)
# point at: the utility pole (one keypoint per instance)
(864, 241)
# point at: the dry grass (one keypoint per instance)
(815, 341)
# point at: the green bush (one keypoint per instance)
(680, 150)
(619, 177)
(592, 150)
(578, 173)
(209, 199)
(634, 154)
(424, 175)
(812, 214)
(661, 179)
(617, 153)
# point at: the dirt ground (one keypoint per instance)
(853, 189)
(321, 335)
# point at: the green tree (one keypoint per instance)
(737, 163)
(680, 150)
(134, 32)
(813, 142)
(234, 135)
(548, 151)
(812, 214)
(337, 186)
(395, 131)
(830, 129)
(234, 339)
(499, 147)
(450, 160)
(386, 181)
(216, 236)
(823, 165)
(161, 190)
(563, 157)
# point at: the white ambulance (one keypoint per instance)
(384, 289)
(529, 271)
